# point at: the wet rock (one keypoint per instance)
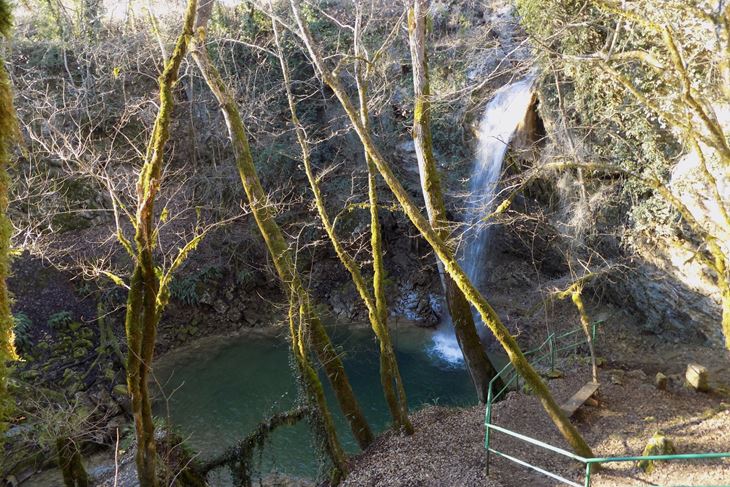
(220, 307)
(234, 315)
(342, 305)
(417, 307)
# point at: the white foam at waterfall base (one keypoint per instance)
(502, 116)
(444, 347)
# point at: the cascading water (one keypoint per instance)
(500, 121)
(502, 117)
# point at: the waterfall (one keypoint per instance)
(501, 119)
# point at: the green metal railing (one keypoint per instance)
(547, 352)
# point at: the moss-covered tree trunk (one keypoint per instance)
(723, 282)
(144, 303)
(69, 461)
(442, 250)
(477, 362)
(390, 376)
(576, 297)
(726, 315)
(8, 133)
(300, 317)
(281, 256)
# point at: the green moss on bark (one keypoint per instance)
(442, 250)
(288, 274)
(146, 298)
(8, 134)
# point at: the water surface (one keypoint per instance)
(224, 388)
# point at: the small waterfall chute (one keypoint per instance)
(502, 117)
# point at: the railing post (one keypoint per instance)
(488, 421)
(594, 325)
(551, 342)
(551, 345)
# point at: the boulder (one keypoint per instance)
(657, 445)
(616, 376)
(697, 377)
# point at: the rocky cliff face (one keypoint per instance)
(673, 289)
(675, 294)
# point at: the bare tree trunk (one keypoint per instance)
(451, 266)
(143, 307)
(477, 362)
(281, 256)
(8, 134)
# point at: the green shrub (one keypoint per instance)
(22, 328)
(60, 320)
(244, 277)
(611, 126)
(189, 288)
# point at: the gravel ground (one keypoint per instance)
(447, 448)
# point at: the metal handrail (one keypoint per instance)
(550, 342)
(589, 461)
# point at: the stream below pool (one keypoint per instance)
(219, 390)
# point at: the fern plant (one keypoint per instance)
(22, 328)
